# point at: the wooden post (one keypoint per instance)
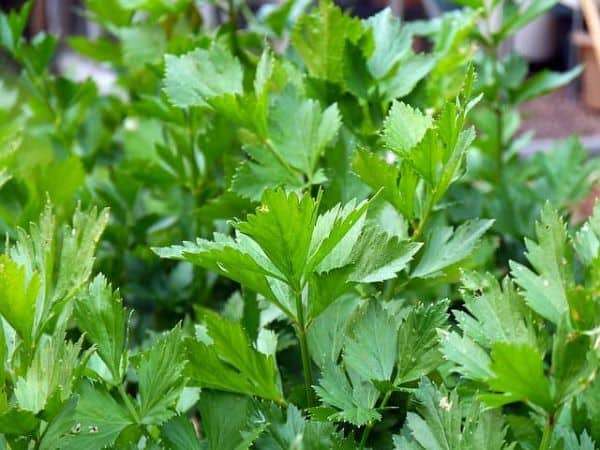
(590, 12)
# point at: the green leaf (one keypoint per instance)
(445, 246)
(282, 227)
(321, 37)
(335, 234)
(355, 402)
(300, 130)
(236, 259)
(379, 175)
(418, 341)
(378, 256)
(298, 133)
(392, 43)
(12, 26)
(62, 259)
(142, 44)
(496, 314)
(327, 332)
(227, 361)
(404, 127)
(519, 376)
(100, 49)
(397, 183)
(100, 314)
(520, 14)
(18, 294)
(573, 362)
(160, 377)
(371, 349)
(264, 171)
(444, 423)
(60, 425)
(15, 421)
(226, 421)
(99, 420)
(179, 434)
(410, 71)
(545, 292)
(52, 372)
(195, 78)
(544, 82)
(572, 442)
(289, 430)
(587, 239)
(474, 363)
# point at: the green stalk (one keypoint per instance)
(306, 367)
(128, 403)
(368, 428)
(306, 364)
(547, 435)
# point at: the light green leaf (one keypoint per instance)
(587, 239)
(392, 43)
(404, 127)
(446, 423)
(519, 376)
(418, 341)
(99, 420)
(195, 78)
(234, 259)
(100, 314)
(545, 292)
(142, 44)
(229, 362)
(356, 403)
(410, 71)
(572, 442)
(320, 39)
(282, 226)
(519, 14)
(290, 430)
(160, 377)
(474, 363)
(62, 259)
(299, 130)
(378, 256)
(51, 372)
(335, 234)
(496, 314)
(371, 350)
(327, 332)
(445, 246)
(18, 294)
(264, 171)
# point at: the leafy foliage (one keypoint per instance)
(344, 206)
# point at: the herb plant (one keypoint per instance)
(294, 227)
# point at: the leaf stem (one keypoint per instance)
(547, 435)
(369, 427)
(306, 367)
(306, 364)
(128, 403)
(423, 222)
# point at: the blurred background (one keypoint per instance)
(557, 40)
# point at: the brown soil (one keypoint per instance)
(558, 115)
